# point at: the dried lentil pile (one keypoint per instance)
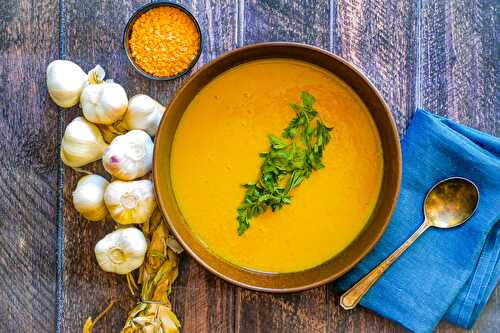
(164, 41)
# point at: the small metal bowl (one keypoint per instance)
(128, 28)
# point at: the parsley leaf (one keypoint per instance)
(289, 161)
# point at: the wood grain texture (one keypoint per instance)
(306, 22)
(300, 312)
(357, 320)
(286, 20)
(380, 38)
(460, 61)
(28, 167)
(459, 79)
(93, 36)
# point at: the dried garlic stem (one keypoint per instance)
(89, 323)
(154, 312)
(132, 285)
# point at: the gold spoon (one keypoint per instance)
(448, 204)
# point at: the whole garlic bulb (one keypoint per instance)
(130, 202)
(82, 143)
(121, 251)
(104, 103)
(143, 113)
(129, 156)
(88, 197)
(65, 82)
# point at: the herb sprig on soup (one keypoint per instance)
(289, 161)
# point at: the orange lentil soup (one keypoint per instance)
(164, 41)
(216, 150)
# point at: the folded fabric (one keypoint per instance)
(446, 274)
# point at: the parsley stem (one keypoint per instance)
(286, 162)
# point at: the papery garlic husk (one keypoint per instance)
(82, 143)
(130, 202)
(88, 197)
(104, 103)
(143, 113)
(152, 317)
(89, 324)
(129, 156)
(121, 251)
(110, 132)
(66, 80)
(157, 274)
(174, 245)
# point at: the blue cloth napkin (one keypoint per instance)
(445, 274)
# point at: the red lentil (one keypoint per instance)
(164, 41)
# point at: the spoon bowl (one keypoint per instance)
(448, 204)
(451, 202)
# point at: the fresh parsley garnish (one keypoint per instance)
(290, 159)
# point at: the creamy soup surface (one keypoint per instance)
(216, 150)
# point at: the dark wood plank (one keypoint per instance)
(93, 36)
(378, 37)
(459, 79)
(301, 312)
(286, 20)
(460, 68)
(28, 167)
(357, 320)
(306, 22)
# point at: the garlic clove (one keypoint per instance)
(144, 113)
(121, 251)
(65, 82)
(104, 103)
(82, 143)
(129, 156)
(88, 197)
(130, 202)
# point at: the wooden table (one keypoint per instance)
(440, 55)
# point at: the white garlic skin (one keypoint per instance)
(129, 156)
(65, 82)
(88, 197)
(130, 201)
(104, 103)
(143, 113)
(82, 143)
(121, 251)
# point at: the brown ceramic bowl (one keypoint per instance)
(343, 262)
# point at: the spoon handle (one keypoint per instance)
(351, 297)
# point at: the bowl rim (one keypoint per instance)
(141, 10)
(370, 245)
